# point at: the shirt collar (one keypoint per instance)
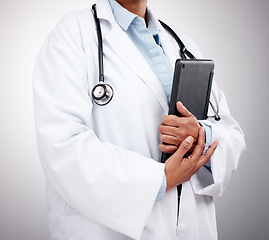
(125, 18)
(153, 25)
(122, 16)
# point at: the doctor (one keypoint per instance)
(103, 175)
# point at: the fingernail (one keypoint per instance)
(189, 139)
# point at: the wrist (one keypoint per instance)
(169, 176)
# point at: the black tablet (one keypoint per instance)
(192, 86)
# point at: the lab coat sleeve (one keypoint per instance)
(225, 158)
(108, 185)
(231, 144)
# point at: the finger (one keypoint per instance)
(170, 120)
(168, 130)
(169, 139)
(182, 110)
(176, 122)
(199, 148)
(206, 157)
(184, 147)
(167, 148)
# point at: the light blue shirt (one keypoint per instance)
(146, 39)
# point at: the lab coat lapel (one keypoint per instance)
(169, 46)
(133, 58)
(122, 45)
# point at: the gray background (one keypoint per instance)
(233, 32)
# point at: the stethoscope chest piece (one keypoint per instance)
(102, 94)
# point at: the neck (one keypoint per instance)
(137, 7)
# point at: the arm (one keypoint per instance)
(231, 143)
(226, 132)
(180, 169)
(173, 130)
(86, 172)
(225, 159)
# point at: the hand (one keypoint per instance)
(179, 169)
(173, 130)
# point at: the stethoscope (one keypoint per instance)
(102, 93)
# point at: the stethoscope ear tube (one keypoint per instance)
(182, 49)
(100, 44)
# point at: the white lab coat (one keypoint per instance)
(101, 162)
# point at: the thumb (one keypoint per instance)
(182, 110)
(184, 147)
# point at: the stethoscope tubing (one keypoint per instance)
(100, 44)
